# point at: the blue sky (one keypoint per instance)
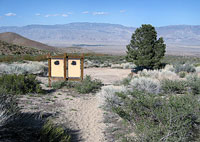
(125, 12)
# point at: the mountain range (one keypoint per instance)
(104, 36)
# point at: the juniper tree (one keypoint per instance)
(145, 50)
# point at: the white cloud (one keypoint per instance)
(69, 13)
(100, 13)
(122, 11)
(51, 15)
(55, 15)
(85, 12)
(64, 15)
(37, 14)
(61, 15)
(10, 14)
(48, 15)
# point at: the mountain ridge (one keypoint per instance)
(17, 39)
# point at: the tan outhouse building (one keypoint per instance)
(65, 67)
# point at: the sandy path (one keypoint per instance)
(107, 75)
(84, 115)
(82, 111)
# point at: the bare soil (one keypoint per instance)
(107, 75)
(81, 113)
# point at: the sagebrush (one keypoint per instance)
(88, 85)
(156, 119)
(20, 84)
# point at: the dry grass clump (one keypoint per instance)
(52, 133)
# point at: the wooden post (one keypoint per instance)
(65, 67)
(82, 66)
(49, 69)
(67, 72)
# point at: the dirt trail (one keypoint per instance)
(84, 115)
(107, 75)
(82, 112)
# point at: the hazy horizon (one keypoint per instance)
(99, 23)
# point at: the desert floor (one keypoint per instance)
(81, 113)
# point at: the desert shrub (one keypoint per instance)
(71, 84)
(20, 84)
(180, 59)
(126, 81)
(107, 95)
(9, 58)
(67, 84)
(146, 84)
(58, 84)
(156, 119)
(182, 74)
(194, 84)
(159, 74)
(52, 133)
(88, 85)
(128, 65)
(197, 69)
(169, 67)
(197, 64)
(184, 67)
(116, 66)
(23, 68)
(174, 86)
(103, 57)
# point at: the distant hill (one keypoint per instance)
(13, 49)
(180, 34)
(103, 36)
(17, 39)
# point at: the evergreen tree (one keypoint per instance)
(144, 48)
